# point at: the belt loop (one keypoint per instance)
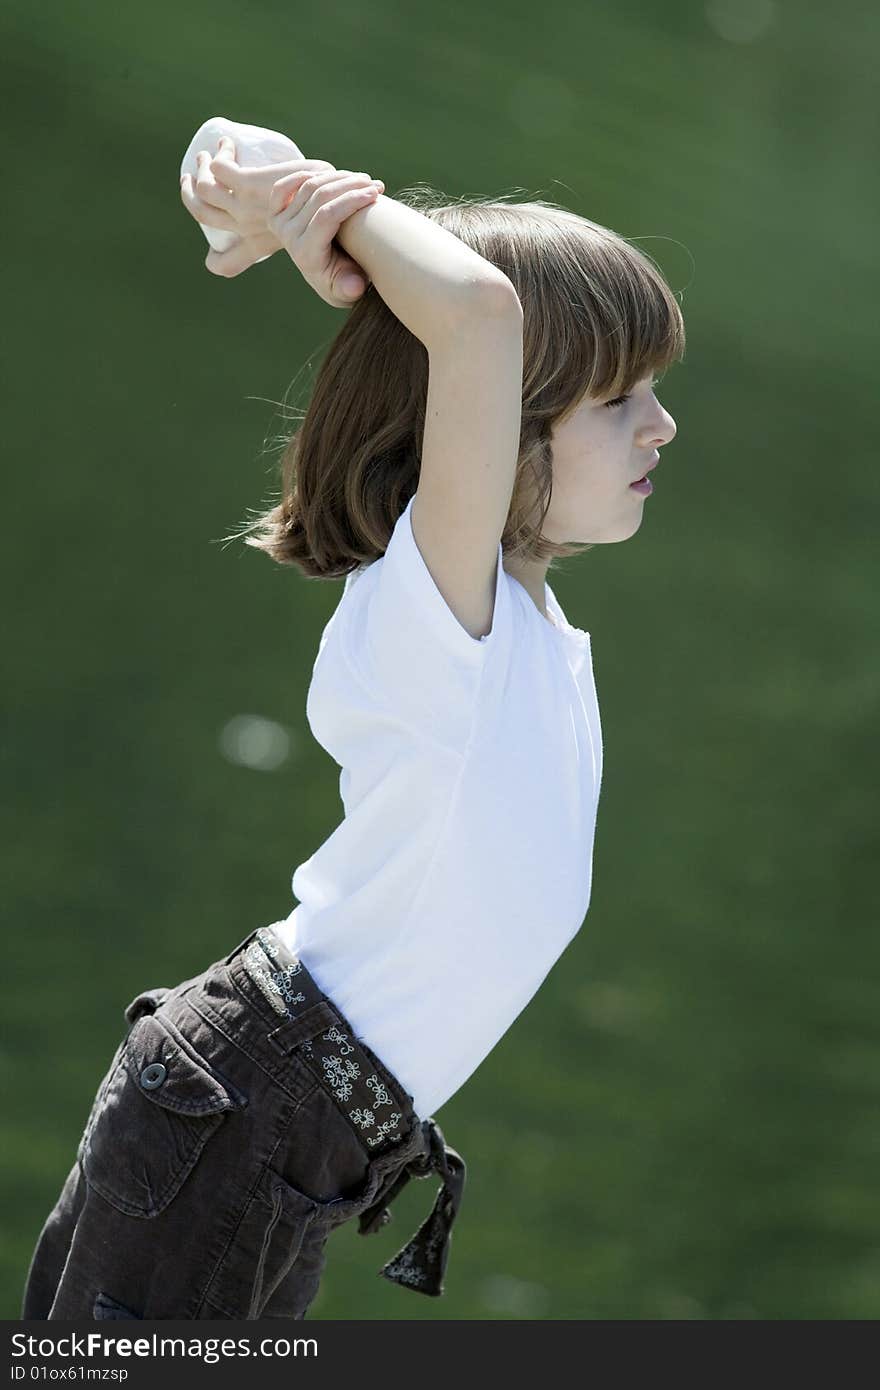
(239, 947)
(295, 1031)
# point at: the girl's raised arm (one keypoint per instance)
(467, 314)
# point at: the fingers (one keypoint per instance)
(228, 264)
(329, 216)
(299, 187)
(241, 256)
(207, 187)
(349, 280)
(318, 203)
(235, 176)
(223, 166)
(204, 212)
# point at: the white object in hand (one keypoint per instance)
(254, 145)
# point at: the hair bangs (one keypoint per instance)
(623, 321)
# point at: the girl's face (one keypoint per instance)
(597, 452)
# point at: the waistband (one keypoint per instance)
(367, 1095)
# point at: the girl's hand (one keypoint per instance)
(211, 203)
(306, 210)
(237, 200)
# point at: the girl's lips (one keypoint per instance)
(643, 485)
(653, 464)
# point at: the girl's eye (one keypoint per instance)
(622, 400)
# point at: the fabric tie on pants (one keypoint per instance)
(421, 1264)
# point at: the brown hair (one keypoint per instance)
(598, 316)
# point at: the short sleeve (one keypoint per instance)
(405, 642)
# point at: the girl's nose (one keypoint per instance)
(666, 430)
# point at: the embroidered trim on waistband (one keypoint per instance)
(337, 1059)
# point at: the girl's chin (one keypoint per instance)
(623, 531)
(608, 535)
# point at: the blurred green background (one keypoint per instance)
(712, 1151)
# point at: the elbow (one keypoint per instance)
(496, 297)
(488, 299)
(488, 302)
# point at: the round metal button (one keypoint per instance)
(153, 1076)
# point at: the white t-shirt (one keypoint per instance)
(470, 777)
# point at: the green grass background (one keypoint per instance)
(685, 1122)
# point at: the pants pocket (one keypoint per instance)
(155, 1110)
(107, 1307)
(263, 1250)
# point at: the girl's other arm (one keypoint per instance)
(468, 465)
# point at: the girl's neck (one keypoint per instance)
(533, 577)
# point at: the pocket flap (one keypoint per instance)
(169, 1074)
(147, 1002)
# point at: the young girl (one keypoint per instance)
(488, 406)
